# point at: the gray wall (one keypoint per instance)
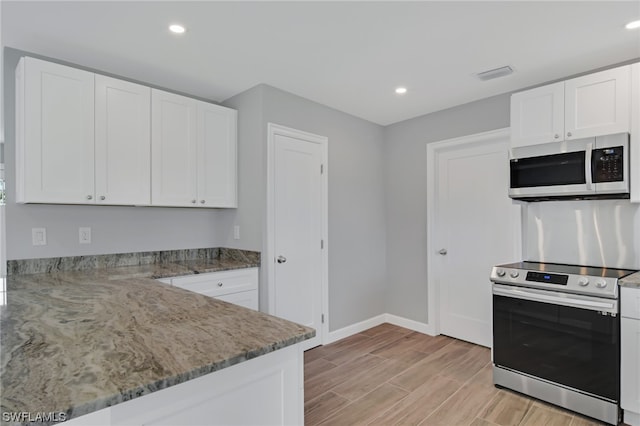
(406, 191)
(357, 255)
(114, 229)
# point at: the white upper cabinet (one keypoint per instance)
(634, 143)
(537, 115)
(592, 105)
(193, 152)
(217, 157)
(84, 138)
(598, 104)
(54, 133)
(173, 150)
(122, 142)
(1, 83)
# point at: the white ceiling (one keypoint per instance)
(347, 55)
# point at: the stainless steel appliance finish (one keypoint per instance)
(556, 335)
(570, 399)
(599, 282)
(586, 232)
(585, 168)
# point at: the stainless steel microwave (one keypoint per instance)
(581, 169)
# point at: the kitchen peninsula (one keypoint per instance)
(115, 346)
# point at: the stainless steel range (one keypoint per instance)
(556, 335)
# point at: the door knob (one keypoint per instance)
(443, 252)
(281, 259)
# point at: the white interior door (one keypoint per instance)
(296, 287)
(476, 227)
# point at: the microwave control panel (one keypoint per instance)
(607, 164)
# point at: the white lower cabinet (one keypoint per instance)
(239, 286)
(630, 355)
(267, 390)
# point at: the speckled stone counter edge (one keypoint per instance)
(92, 262)
(130, 394)
(632, 280)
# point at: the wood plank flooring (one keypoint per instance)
(389, 375)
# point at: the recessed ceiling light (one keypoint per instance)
(401, 90)
(175, 28)
(633, 25)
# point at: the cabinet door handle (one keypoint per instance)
(201, 201)
(556, 136)
(568, 134)
(193, 201)
(102, 197)
(89, 197)
(220, 284)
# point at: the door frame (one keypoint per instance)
(269, 263)
(433, 273)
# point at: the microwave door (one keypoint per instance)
(555, 175)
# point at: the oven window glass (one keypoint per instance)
(548, 170)
(574, 347)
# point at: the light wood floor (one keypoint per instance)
(389, 375)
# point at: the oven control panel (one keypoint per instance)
(555, 281)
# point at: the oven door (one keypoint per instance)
(565, 339)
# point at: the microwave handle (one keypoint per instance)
(587, 166)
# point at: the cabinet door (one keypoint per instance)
(216, 284)
(630, 364)
(123, 142)
(634, 143)
(217, 161)
(173, 149)
(246, 299)
(537, 115)
(598, 104)
(54, 133)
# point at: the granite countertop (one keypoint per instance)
(79, 341)
(632, 280)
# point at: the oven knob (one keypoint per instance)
(583, 282)
(500, 272)
(601, 284)
(514, 274)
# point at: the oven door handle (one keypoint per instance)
(537, 296)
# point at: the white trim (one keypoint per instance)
(356, 328)
(272, 131)
(433, 149)
(420, 327)
(361, 326)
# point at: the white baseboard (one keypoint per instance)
(361, 326)
(420, 327)
(356, 328)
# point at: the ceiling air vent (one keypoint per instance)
(495, 73)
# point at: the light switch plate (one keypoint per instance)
(39, 236)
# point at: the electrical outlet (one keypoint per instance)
(39, 236)
(84, 235)
(236, 232)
